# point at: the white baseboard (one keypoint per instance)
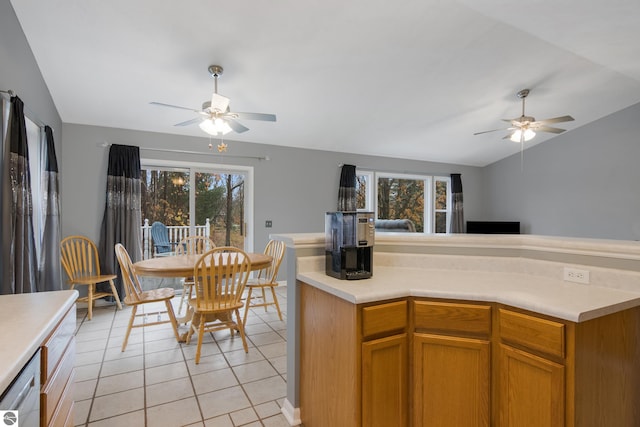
(290, 413)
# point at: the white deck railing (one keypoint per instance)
(176, 234)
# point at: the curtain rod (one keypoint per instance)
(169, 150)
(28, 113)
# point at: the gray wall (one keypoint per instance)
(20, 73)
(583, 183)
(294, 188)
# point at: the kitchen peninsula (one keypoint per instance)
(41, 324)
(466, 330)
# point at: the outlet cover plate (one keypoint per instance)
(576, 275)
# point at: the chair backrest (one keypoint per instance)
(132, 287)
(194, 245)
(220, 278)
(79, 257)
(275, 249)
(160, 236)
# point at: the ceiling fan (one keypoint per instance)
(525, 127)
(215, 117)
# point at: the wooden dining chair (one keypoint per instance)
(79, 258)
(220, 277)
(192, 245)
(135, 297)
(267, 278)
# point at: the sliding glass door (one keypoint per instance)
(199, 199)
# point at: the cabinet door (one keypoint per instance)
(385, 382)
(531, 390)
(451, 381)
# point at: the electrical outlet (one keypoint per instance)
(268, 223)
(576, 275)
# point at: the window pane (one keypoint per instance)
(401, 199)
(220, 198)
(361, 191)
(441, 195)
(165, 197)
(441, 222)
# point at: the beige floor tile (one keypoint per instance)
(262, 391)
(120, 382)
(207, 363)
(168, 391)
(127, 364)
(221, 421)
(273, 350)
(88, 372)
(89, 357)
(244, 417)
(223, 402)
(267, 409)
(276, 421)
(214, 380)
(84, 389)
(81, 412)
(115, 404)
(174, 414)
(266, 338)
(239, 357)
(166, 373)
(254, 371)
(165, 357)
(132, 419)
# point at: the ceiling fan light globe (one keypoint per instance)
(215, 127)
(517, 135)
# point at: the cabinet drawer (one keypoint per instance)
(52, 391)
(531, 332)
(452, 317)
(57, 342)
(63, 415)
(377, 319)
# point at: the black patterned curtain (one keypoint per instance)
(18, 260)
(457, 210)
(49, 274)
(347, 189)
(121, 222)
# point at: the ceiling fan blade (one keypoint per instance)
(256, 116)
(189, 122)
(556, 120)
(161, 104)
(237, 127)
(549, 129)
(492, 130)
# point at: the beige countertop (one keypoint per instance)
(25, 321)
(558, 298)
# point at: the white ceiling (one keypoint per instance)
(410, 79)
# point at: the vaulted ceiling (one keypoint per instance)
(410, 79)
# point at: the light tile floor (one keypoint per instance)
(156, 382)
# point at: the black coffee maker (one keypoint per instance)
(349, 238)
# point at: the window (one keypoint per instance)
(422, 199)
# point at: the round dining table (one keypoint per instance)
(182, 266)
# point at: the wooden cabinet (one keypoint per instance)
(451, 364)
(531, 371)
(354, 362)
(57, 374)
(385, 365)
(426, 362)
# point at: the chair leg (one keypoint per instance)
(90, 289)
(241, 330)
(172, 319)
(264, 299)
(247, 305)
(115, 294)
(275, 301)
(131, 319)
(200, 338)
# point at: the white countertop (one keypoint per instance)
(564, 300)
(25, 322)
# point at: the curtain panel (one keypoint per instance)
(19, 263)
(347, 189)
(457, 209)
(121, 222)
(49, 272)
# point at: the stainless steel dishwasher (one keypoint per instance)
(20, 403)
